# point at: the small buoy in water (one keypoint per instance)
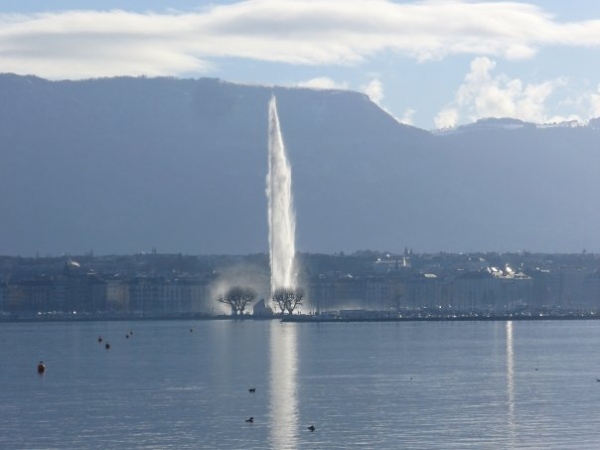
(99, 338)
(41, 368)
(312, 428)
(107, 346)
(253, 390)
(250, 420)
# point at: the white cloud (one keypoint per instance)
(581, 104)
(446, 118)
(323, 83)
(594, 101)
(407, 117)
(77, 44)
(374, 89)
(486, 95)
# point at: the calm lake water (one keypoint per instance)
(412, 385)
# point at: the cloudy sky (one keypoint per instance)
(431, 64)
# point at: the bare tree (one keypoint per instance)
(294, 300)
(238, 298)
(288, 299)
(279, 296)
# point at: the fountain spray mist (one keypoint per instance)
(282, 223)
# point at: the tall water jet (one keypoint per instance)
(282, 222)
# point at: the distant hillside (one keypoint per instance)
(122, 165)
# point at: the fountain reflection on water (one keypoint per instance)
(510, 377)
(283, 398)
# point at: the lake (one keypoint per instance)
(412, 385)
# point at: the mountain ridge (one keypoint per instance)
(120, 165)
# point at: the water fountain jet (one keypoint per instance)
(282, 222)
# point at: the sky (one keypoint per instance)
(431, 64)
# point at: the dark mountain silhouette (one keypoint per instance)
(122, 165)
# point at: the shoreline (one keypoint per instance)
(302, 318)
(498, 318)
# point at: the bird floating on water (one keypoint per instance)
(253, 390)
(312, 428)
(107, 346)
(41, 368)
(250, 420)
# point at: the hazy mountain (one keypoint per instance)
(126, 164)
